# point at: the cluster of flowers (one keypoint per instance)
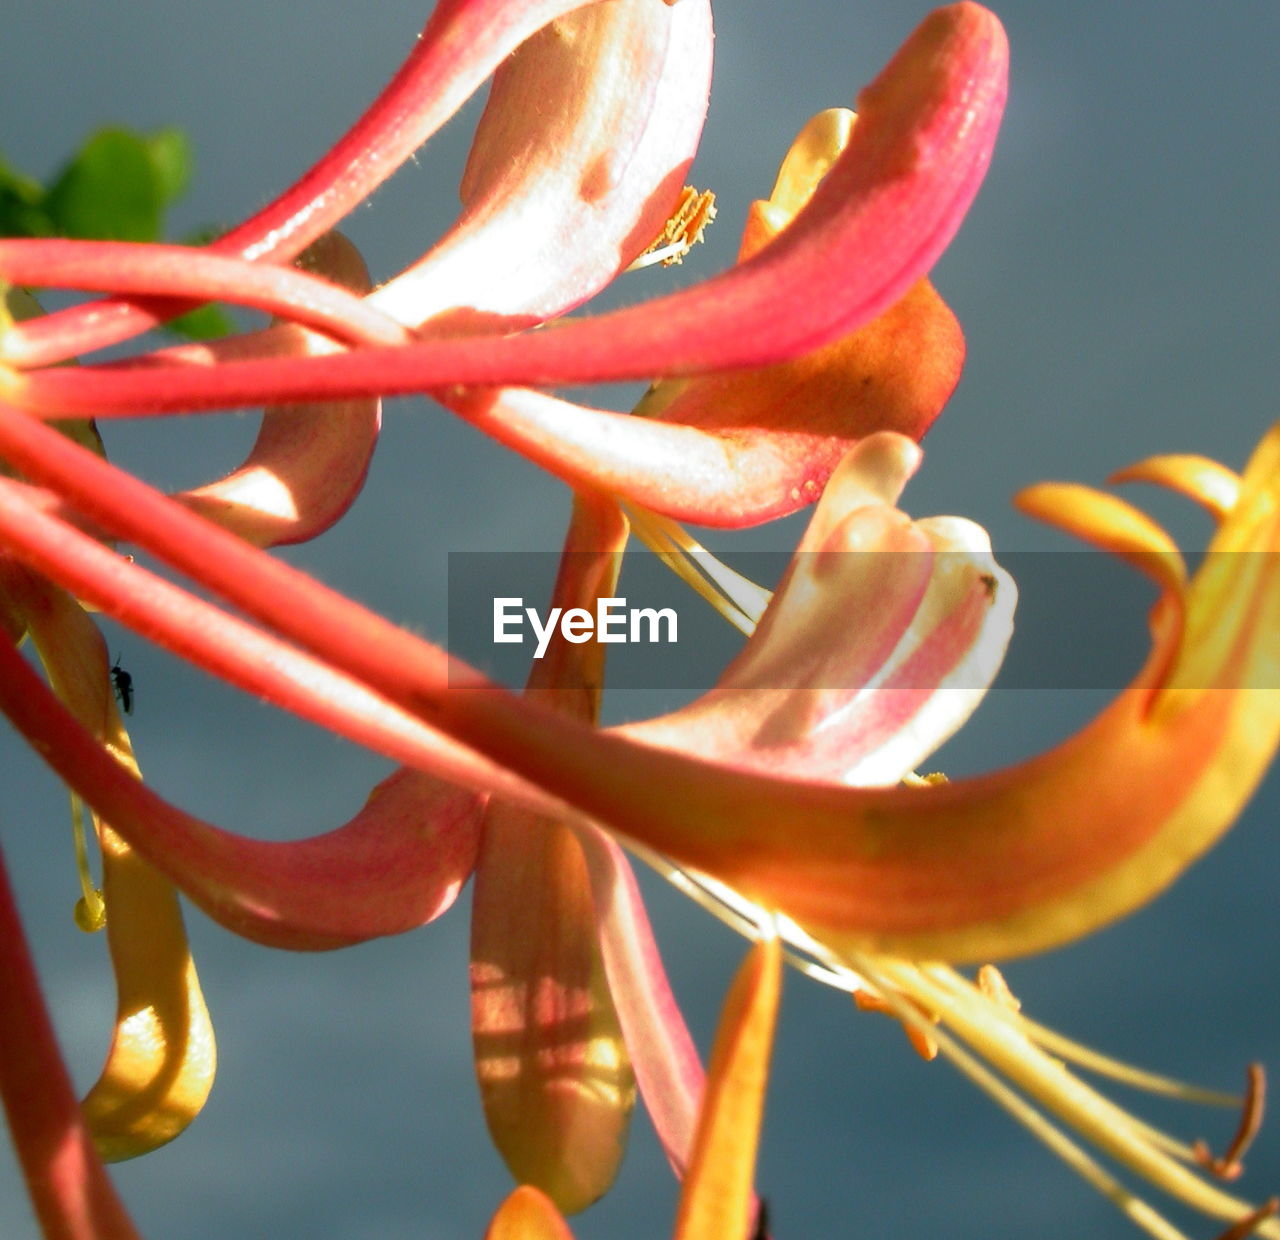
(785, 798)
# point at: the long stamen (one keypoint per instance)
(738, 599)
(1018, 1049)
(91, 909)
(1229, 1166)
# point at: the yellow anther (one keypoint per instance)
(933, 779)
(992, 984)
(685, 227)
(921, 1042)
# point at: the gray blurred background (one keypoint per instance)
(1117, 284)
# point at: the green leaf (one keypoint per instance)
(22, 212)
(170, 155)
(110, 191)
(206, 323)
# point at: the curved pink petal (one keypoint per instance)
(460, 46)
(666, 1062)
(581, 152)
(308, 462)
(739, 447)
(818, 695)
(399, 863)
(875, 225)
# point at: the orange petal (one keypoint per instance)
(717, 1201)
(528, 1215)
(1213, 486)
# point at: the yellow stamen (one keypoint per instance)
(1020, 1050)
(738, 599)
(694, 210)
(91, 908)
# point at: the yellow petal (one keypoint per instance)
(555, 1079)
(1110, 523)
(160, 1066)
(717, 1202)
(1213, 486)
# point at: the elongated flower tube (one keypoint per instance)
(555, 1078)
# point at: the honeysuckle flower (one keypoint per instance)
(286, 903)
(737, 815)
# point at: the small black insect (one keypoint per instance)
(122, 682)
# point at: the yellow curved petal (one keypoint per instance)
(1009, 863)
(160, 1066)
(1110, 523)
(1213, 486)
(717, 1201)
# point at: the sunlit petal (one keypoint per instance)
(555, 1077)
(582, 150)
(717, 1201)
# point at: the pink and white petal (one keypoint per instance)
(811, 698)
(463, 42)
(578, 160)
(308, 462)
(740, 447)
